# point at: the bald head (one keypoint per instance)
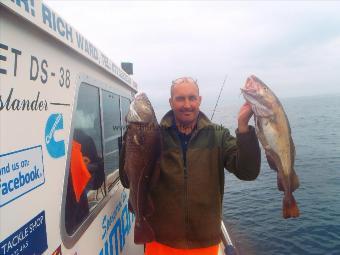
(183, 80)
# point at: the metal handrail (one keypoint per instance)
(228, 244)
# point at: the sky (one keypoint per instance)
(293, 46)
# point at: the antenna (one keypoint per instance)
(218, 99)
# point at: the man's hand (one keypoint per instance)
(86, 160)
(244, 116)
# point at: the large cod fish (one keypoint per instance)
(273, 131)
(139, 165)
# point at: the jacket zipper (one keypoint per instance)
(186, 208)
(186, 199)
(185, 192)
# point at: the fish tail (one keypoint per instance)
(290, 208)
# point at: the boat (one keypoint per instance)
(62, 109)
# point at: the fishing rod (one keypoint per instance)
(218, 99)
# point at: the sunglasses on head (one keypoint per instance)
(184, 79)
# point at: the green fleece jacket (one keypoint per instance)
(188, 200)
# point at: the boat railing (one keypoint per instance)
(229, 248)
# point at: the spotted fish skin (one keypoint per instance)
(139, 164)
(273, 131)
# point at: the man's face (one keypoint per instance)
(185, 102)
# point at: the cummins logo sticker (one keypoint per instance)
(56, 149)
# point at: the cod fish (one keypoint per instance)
(274, 133)
(139, 163)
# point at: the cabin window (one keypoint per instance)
(125, 106)
(112, 135)
(86, 180)
(98, 125)
(125, 102)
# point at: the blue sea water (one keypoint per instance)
(253, 210)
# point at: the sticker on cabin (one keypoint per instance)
(55, 148)
(30, 239)
(116, 227)
(57, 251)
(20, 172)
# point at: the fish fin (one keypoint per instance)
(149, 206)
(155, 175)
(260, 134)
(292, 149)
(122, 173)
(139, 139)
(271, 161)
(262, 111)
(294, 181)
(143, 231)
(289, 207)
(130, 207)
(280, 184)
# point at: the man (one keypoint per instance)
(188, 196)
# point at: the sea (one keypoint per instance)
(252, 210)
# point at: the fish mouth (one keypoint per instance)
(258, 106)
(140, 110)
(249, 93)
(140, 95)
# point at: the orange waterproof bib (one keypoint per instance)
(155, 248)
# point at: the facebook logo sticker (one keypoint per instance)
(56, 149)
